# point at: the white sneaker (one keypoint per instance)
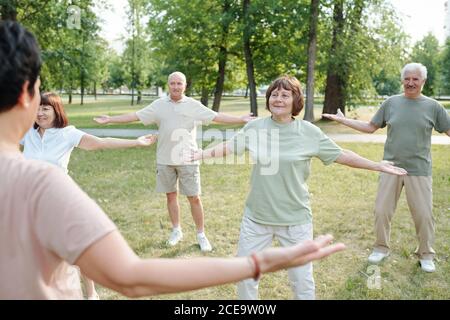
(376, 257)
(175, 237)
(203, 241)
(427, 265)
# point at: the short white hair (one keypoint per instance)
(177, 74)
(415, 67)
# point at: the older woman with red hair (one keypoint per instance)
(278, 205)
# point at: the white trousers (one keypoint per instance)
(255, 237)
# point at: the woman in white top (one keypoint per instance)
(52, 140)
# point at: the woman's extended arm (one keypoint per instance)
(90, 142)
(111, 263)
(123, 118)
(351, 159)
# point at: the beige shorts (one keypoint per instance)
(186, 176)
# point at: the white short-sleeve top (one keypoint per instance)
(55, 146)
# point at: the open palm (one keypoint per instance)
(102, 119)
(335, 117)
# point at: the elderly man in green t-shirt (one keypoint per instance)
(177, 118)
(410, 118)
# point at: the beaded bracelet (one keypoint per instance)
(257, 274)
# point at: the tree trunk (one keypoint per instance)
(8, 10)
(334, 94)
(220, 79)
(82, 73)
(335, 83)
(312, 48)
(223, 55)
(249, 58)
(70, 92)
(133, 51)
(139, 97)
(95, 90)
(205, 96)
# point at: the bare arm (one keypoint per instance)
(448, 132)
(354, 160)
(90, 142)
(123, 118)
(218, 151)
(111, 263)
(225, 118)
(363, 126)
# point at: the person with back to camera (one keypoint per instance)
(47, 223)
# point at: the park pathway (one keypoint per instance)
(208, 134)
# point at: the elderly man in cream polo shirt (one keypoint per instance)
(177, 117)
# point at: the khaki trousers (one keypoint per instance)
(419, 197)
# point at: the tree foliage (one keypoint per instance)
(426, 52)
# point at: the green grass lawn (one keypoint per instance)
(123, 181)
(81, 115)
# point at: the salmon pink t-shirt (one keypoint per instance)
(46, 223)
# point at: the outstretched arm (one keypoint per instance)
(90, 142)
(448, 132)
(363, 126)
(225, 118)
(111, 263)
(123, 118)
(351, 159)
(218, 151)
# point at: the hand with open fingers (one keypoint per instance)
(388, 167)
(274, 259)
(147, 140)
(336, 117)
(248, 117)
(103, 119)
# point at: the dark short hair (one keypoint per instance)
(20, 61)
(54, 100)
(288, 83)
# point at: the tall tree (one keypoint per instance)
(445, 68)
(226, 19)
(336, 76)
(8, 10)
(357, 49)
(426, 51)
(137, 56)
(312, 48)
(246, 36)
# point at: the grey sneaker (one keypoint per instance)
(203, 241)
(175, 237)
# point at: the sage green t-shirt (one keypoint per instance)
(410, 123)
(177, 126)
(282, 159)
